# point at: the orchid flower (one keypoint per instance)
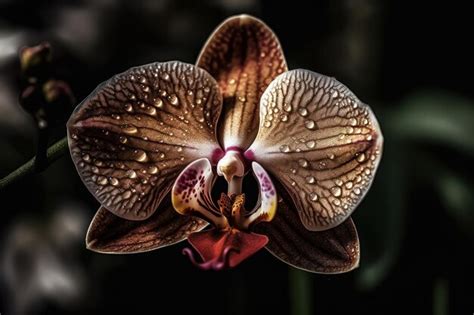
(150, 143)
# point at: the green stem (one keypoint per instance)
(301, 292)
(440, 296)
(53, 153)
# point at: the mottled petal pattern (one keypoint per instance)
(133, 135)
(332, 251)
(267, 205)
(191, 193)
(244, 56)
(109, 233)
(321, 142)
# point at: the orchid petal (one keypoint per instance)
(244, 55)
(321, 142)
(109, 233)
(267, 207)
(132, 136)
(191, 193)
(331, 251)
(220, 249)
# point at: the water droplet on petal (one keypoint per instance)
(158, 103)
(141, 156)
(113, 181)
(123, 139)
(313, 196)
(173, 99)
(361, 158)
(357, 191)
(86, 157)
(303, 111)
(129, 129)
(310, 179)
(101, 180)
(310, 124)
(311, 144)
(165, 76)
(131, 174)
(353, 122)
(287, 108)
(284, 117)
(128, 107)
(336, 191)
(153, 169)
(285, 148)
(267, 123)
(349, 185)
(303, 163)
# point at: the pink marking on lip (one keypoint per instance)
(249, 155)
(217, 154)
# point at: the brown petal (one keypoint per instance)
(244, 56)
(331, 251)
(132, 136)
(109, 233)
(321, 142)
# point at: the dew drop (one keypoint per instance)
(336, 191)
(303, 111)
(361, 158)
(173, 99)
(285, 148)
(131, 174)
(151, 110)
(311, 144)
(113, 181)
(353, 122)
(86, 157)
(123, 139)
(310, 179)
(284, 117)
(141, 156)
(367, 171)
(102, 180)
(349, 185)
(310, 124)
(232, 81)
(129, 129)
(158, 103)
(357, 191)
(336, 202)
(95, 169)
(128, 107)
(338, 182)
(153, 169)
(165, 76)
(267, 124)
(303, 163)
(162, 155)
(287, 108)
(331, 156)
(313, 196)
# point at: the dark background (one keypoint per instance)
(412, 62)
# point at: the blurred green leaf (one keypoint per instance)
(438, 117)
